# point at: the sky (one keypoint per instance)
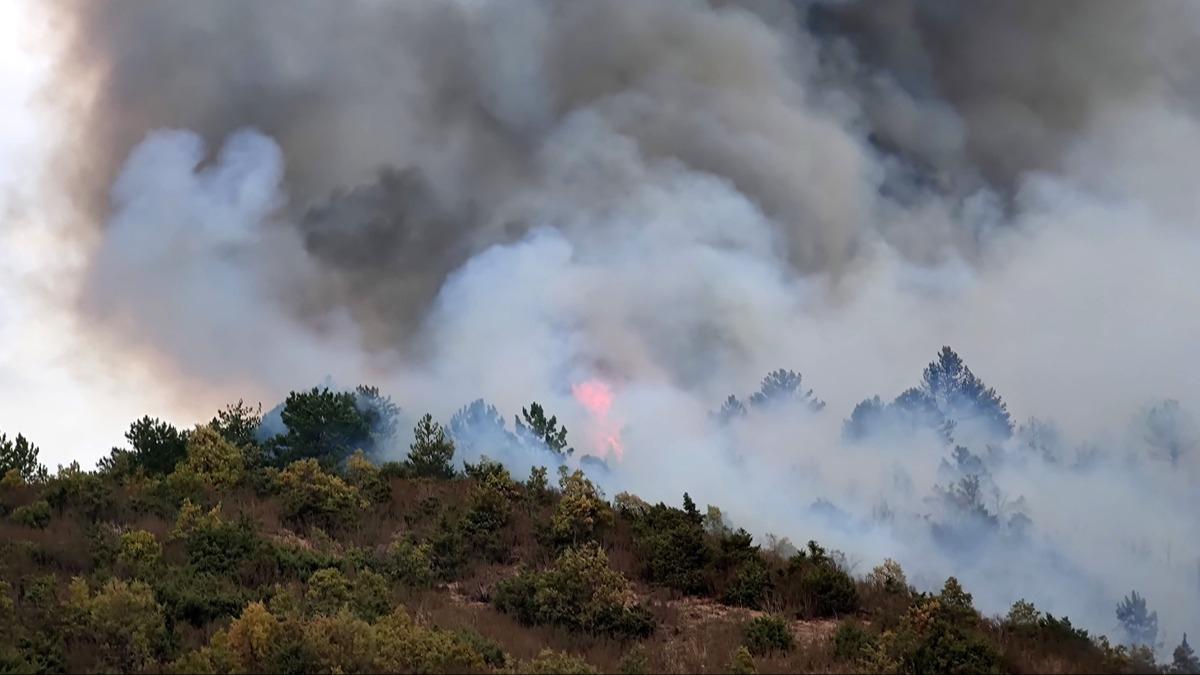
(54, 387)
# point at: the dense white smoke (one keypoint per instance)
(503, 200)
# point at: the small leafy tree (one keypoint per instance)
(537, 428)
(21, 456)
(1140, 624)
(432, 452)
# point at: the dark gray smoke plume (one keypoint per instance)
(506, 199)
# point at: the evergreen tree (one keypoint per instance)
(323, 425)
(381, 415)
(154, 446)
(1170, 432)
(478, 427)
(730, 410)
(432, 452)
(538, 428)
(782, 386)
(1141, 625)
(961, 396)
(689, 508)
(1185, 660)
(22, 456)
(238, 423)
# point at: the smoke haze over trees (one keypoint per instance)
(776, 232)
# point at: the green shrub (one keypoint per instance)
(140, 552)
(491, 652)
(749, 586)
(579, 592)
(634, 662)
(121, 621)
(370, 596)
(816, 584)
(549, 662)
(939, 634)
(312, 495)
(35, 515)
(327, 591)
(767, 634)
(197, 597)
(85, 491)
(367, 477)
(221, 547)
(409, 563)
(672, 545)
(581, 510)
(852, 643)
(211, 460)
(741, 663)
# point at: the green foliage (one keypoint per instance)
(580, 592)
(766, 634)
(140, 552)
(121, 621)
(749, 586)
(35, 515)
(673, 549)
(196, 597)
(20, 455)
(221, 547)
(815, 583)
(431, 454)
(367, 477)
(634, 662)
(322, 425)
(539, 429)
(852, 643)
(549, 662)
(238, 424)
(581, 511)
(492, 653)
(155, 447)
(1140, 624)
(1183, 659)
(312, 495)
(408, 563)
(381, 415)
(211, 460)
(938, 634)
(1022, 615)
(741, 663)
(889, 577)
(328, 590)
(489, 509)
(537, 486)
(87, 492)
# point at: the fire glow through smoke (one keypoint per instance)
(603, 432)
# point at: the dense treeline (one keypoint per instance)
(227, 548)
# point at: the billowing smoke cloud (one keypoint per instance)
(468, 199)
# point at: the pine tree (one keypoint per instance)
(689, 507)
(537, 428)
(1185, 660)
(432, 452)
(780, 386)
(730, 410)
(962, 396)
(22, 456)
(1141, 625)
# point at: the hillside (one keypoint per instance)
(213, 550)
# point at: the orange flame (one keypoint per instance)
(605, 434)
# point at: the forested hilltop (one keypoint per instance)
(225, 548)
